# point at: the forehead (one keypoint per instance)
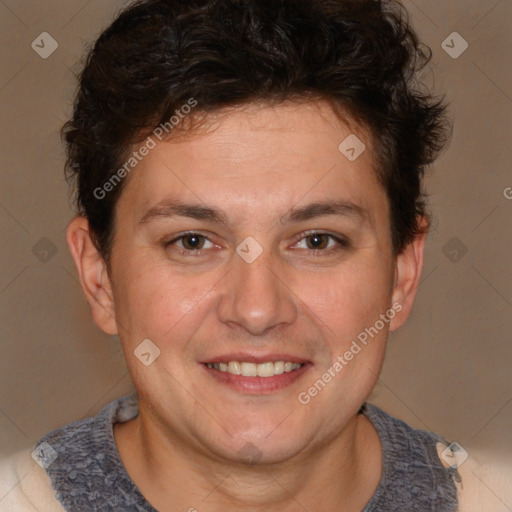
(264, 155)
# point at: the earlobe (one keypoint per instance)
(408, 268)
(93, 275)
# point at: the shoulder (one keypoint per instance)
(413, 477)
(485, 481)
(86, 443)
(27, 479)
(25, 486)
(83, 464)
(468, 481)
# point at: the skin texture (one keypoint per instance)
(188, 447)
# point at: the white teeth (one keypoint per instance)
(249, 369)
(278, 367)
(268, 369)
(265, 370)
(234, 368)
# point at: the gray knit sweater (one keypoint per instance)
(88, 475)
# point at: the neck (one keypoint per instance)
(174, 474)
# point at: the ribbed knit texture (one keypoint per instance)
(88, 474)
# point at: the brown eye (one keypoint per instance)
(317, 241)
(190, 243)
(322, 243)
(193, 242)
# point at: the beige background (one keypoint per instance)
(447, 370)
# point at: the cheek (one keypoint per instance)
(346, 306)
(155, 303)
(348, 299)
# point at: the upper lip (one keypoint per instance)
(253, 358)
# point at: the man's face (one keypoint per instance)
(323, 276)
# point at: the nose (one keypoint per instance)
(256, 296)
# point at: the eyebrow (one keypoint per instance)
(172, 208)
(326, 208)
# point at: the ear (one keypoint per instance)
(92, 271)
(408, 267)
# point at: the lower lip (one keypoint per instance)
(257, 385)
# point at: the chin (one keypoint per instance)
(248, 449)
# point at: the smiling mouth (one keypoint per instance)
(246, 369)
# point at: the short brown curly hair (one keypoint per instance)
(361, 55)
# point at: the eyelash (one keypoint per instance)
(342, 243)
